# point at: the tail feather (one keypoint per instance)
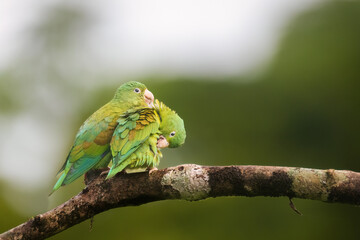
(72, 171)
(114, 170)
(59, 183)
(79, 168)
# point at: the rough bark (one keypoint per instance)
(191, 182)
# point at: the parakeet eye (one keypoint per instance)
(137, 90)
(172, 134)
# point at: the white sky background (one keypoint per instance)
(131, 39)
(138, 37)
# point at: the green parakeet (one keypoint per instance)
(141, 134)
(92, 144)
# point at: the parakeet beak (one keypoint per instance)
(162, 142)
(149, 98)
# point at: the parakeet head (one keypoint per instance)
(172, 127)
(135, 94)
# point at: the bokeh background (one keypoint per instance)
(257, 82)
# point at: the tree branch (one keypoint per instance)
(191, 182)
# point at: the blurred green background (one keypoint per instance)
(300, 109)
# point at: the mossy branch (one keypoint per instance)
(191, 182)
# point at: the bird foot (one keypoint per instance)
(104, 172)
(152, 170)
(94, 173)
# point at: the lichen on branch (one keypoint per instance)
(190, 182)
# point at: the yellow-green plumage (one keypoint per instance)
(134, 144)
(171, 122)
(91, 148)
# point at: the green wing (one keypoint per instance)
(147, 155)
(134, 128)
(91, 147)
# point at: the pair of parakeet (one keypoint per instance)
(129, 131)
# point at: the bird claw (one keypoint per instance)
(94, 173)
(152, 170)
(104, 172)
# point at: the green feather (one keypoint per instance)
(91, 147)
(136, 145)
